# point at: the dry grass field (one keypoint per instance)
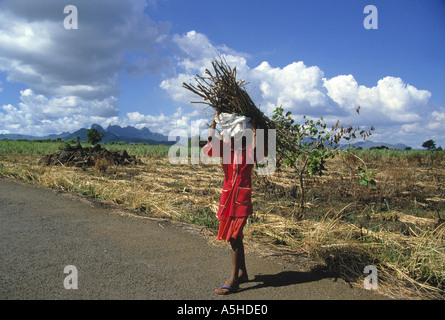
(398, 226)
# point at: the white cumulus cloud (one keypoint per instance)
(390, 101)
(37, 114)
(73, 74)
(393, 106)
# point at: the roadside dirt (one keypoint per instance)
(119, 255)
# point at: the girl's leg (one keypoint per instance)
(240, 261)
(239, 272)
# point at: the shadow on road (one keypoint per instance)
(285, 278)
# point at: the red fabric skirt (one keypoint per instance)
(232, 228)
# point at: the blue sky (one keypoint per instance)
(126, 61)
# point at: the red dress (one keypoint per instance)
(236, 198)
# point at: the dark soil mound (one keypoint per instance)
(78, 156)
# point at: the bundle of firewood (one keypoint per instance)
(222, 91)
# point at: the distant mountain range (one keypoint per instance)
(133, 135)
(368, 144)
(111, 134)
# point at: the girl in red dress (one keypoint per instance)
(235, 203)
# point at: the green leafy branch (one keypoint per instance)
(306, 147)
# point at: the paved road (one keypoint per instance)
(120, 256)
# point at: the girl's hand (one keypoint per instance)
(213, 125)
(253, 123)
(211, 133)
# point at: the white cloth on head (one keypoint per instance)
(232, 124)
